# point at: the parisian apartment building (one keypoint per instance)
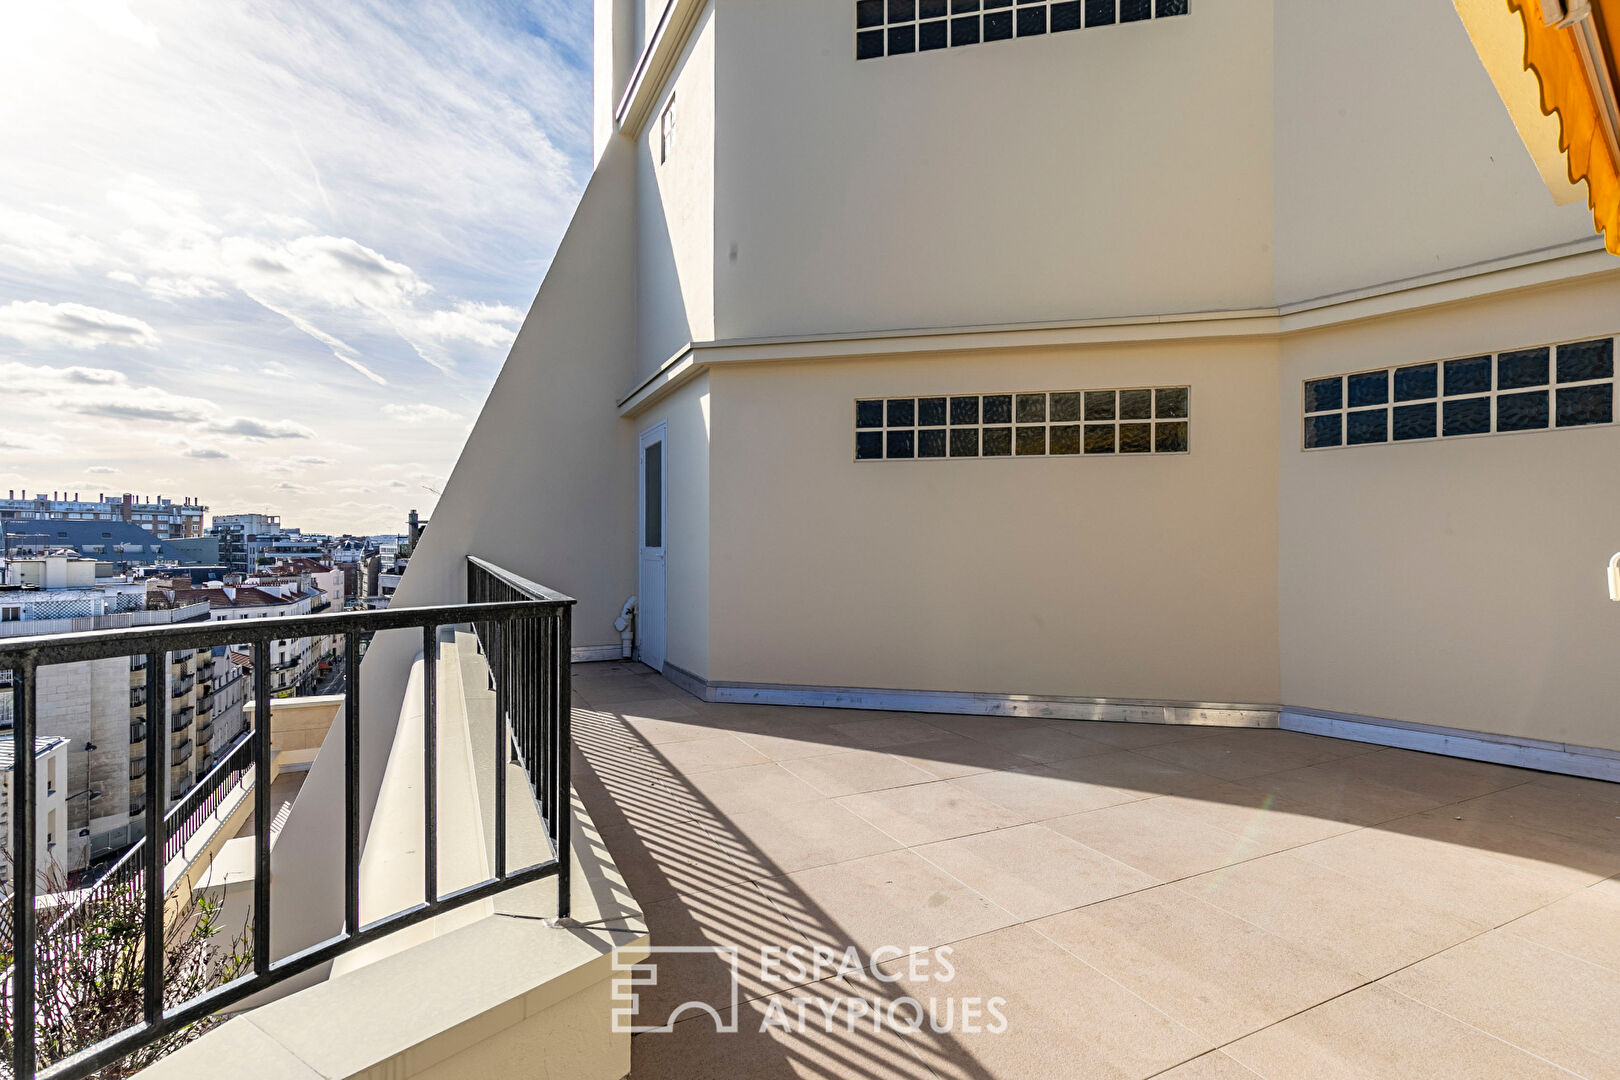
(162, 517)
(100, 707)
(50, 827)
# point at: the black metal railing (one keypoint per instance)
(528, 653)
(525, 630)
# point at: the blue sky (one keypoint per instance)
(273, 253)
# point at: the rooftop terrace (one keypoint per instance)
(1151, 901)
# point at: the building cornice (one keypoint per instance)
(1548, 266)
(655, 64)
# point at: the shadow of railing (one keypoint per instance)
(648, 815)
(685, 850)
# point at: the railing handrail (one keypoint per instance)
(526, 633)
(532, 589)
(102, 644)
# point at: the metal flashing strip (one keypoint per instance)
(590, 654)
(1566, 758)
(965, 703)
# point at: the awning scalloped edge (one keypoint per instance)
(1552, 54)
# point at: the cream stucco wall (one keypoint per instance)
(686, 414)
(1395, 157)
(1113, 171)
(1459, 582)
(675, 209)
(1151, 577)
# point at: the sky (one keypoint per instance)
(272, 253)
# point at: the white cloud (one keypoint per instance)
(101, 470)
(75, 326)
(182, 288)
(109, 394)
(249, 428)
(207, 453)
(482, 324)
(368, 196)
(420, 413)
(32, 240)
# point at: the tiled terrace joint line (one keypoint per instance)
(1225, 900)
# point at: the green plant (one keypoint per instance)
(90, 975)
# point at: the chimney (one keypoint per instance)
(415, 528)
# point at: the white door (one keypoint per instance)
(651, 560)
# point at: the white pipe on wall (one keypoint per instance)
(625, 625)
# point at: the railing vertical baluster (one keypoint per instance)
(430, 762)
(351, 786)
(546, 716)
(261, 805)
(157, 801)
(24, 811)
(564, 754)
(502, 755)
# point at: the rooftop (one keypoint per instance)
(1150, 901)
(42, 745)
(81, 533)
(244, 596)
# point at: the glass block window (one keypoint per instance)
(1058, 423)
(1550, 386)
(896, 27)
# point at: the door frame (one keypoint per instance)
(658, 435)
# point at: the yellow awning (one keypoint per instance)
(1554, 64)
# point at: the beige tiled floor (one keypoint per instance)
(1148, 901)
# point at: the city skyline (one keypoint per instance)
(273, 260)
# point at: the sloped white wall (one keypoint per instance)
(544, 487)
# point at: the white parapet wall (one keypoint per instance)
(495, 989)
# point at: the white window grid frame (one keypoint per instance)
(1012, 7)
(1013, 425)
(666, 129)
(1552, 386)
